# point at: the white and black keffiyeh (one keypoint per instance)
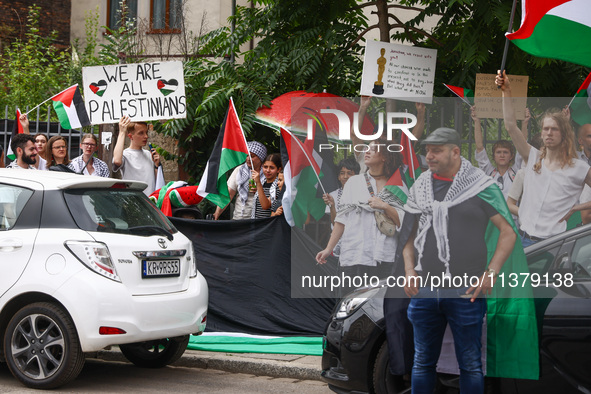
(244, 173)
(468, 182)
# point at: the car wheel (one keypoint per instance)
(41, 346)
(383, 381)
(155, 354)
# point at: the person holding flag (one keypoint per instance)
(554, 176)
(368, 218)
(240, 182)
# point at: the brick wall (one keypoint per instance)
(54, 15)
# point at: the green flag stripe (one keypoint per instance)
(62, 115)
(558, 38)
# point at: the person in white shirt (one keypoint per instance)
(364, 248)
(347, 169)
(135, 163)
(554, 176)
(40, 142)
(23, 146)
(505, 169)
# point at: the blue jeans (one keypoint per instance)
(526, 241)
(429, 312)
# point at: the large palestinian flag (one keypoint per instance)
(301, 173)
(17, 128)
(70, 109)
(580, 108)
(557, 29)
(230, 150)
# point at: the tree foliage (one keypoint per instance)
(470, 39)
(34, 68)
(300, 45)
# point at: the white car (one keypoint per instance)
(86, 263)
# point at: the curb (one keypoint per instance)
(272, 365)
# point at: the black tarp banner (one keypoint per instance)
(247, 265)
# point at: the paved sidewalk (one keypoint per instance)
(275, 365)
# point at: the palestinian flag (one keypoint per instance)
(323, 157)
(301, 173)
(557, 29)
(467, 95)
(511, 323)
(99, 87)
(230, 150)
(167, 87)
(70, 109)
(17, 128)
(580, 108)
(403, 179)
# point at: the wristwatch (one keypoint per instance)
(491, 271)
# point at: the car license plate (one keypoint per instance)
(160, 268)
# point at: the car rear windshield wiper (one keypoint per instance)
(150, 230)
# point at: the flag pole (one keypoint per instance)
(509, 30)
(38, 105)
(293, 137)
(410, 149)
(461, 98)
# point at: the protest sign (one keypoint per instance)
(488, 98)
(142, 91)
(398, 71)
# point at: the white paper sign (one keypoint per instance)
(106, 137)
(143, 91)
(398, 71)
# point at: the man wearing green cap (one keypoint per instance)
(453, 203)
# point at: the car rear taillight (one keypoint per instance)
(111, 331)
(96, 256)
(193, 263)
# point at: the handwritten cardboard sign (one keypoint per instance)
(398, 71)
(488, 98)
(143, 91)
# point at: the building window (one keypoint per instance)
(121, 10)
(166, 16)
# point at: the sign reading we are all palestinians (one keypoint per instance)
(142, 91)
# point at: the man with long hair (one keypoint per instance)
(554, 176)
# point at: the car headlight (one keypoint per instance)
(354, 301)
(96, 256)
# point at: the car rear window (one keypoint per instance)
(12, 201)
(115, 211)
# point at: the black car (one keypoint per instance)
(355, 357)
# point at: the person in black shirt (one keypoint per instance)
(449, 242)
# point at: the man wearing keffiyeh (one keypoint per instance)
(238, 182)
(452, 218)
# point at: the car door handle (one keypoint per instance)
(10, 244)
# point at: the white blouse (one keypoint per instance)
(362, 243)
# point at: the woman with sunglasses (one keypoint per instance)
(56, 151)
(95, 166)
